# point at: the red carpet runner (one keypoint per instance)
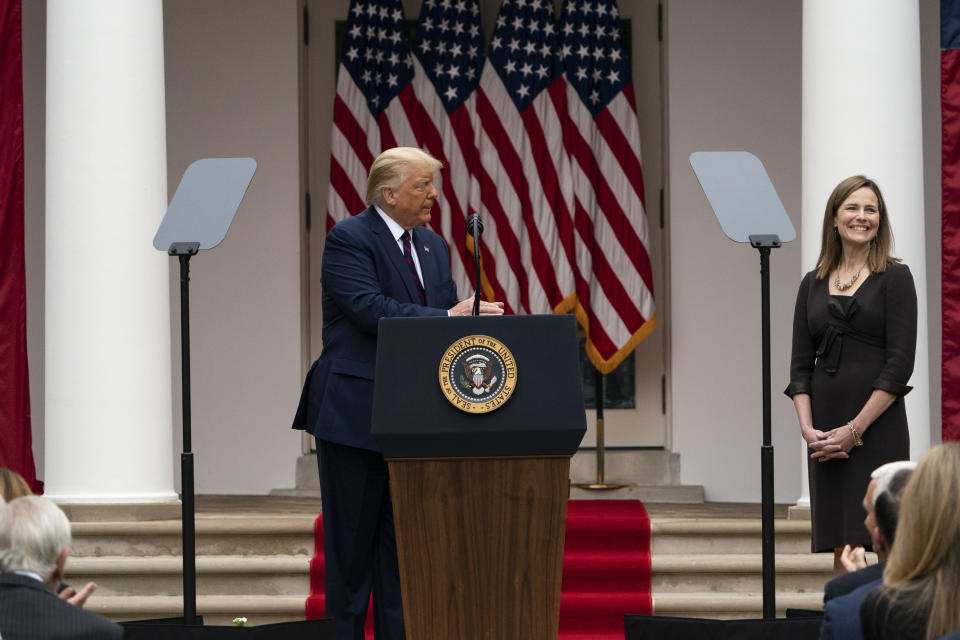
(606, 569)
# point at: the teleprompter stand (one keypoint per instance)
(749, 210)
(198, 218)
(480, 499)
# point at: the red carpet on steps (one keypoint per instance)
(606, 569)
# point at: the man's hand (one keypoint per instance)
(853, 558)
(77, 598)
(465, 308)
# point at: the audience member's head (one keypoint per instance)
(12, 485)
(882, 503)
(34, 537)
(923, 569)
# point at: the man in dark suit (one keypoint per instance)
(841, 612)
(34, 545)
(380, 263)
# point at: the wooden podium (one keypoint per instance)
(479, 499)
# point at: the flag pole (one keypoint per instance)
(599, 385)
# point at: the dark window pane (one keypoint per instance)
(619, 387)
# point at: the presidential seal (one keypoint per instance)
(478, 374)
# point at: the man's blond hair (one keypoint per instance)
(392, 167)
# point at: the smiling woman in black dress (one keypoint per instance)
(854, 337)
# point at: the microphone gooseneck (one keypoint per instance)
(475, 228)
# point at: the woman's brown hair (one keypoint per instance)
(923, 570)
(12, 485)
(831, 250)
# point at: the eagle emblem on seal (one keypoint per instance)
(479, 372)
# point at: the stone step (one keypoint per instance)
(258, 567)
(642, 466)
(725, 606)
(215, 609)
(279, 575)
(293, 535)
(739, 573)
(655, 474)
(725, 535)
(269, 609)
(216, 575)
(227, 535)
(648, 493)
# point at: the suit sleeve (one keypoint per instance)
(350, 278)
(826, 627)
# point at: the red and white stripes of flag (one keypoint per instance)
(540, 138)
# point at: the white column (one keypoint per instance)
(861, 115)
(108, 434)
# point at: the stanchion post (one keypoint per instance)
(599, 385)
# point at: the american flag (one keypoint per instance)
(373, 85)
(525, 190)
(603, 140)
(541, 139)
(448, 59)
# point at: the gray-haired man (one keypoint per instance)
(34, 544)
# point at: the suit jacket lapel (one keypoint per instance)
(389, 246)
(428, 265)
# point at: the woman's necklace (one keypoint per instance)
(843, 286)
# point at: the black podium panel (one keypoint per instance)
(544, 415)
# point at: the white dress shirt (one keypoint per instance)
(397, 231)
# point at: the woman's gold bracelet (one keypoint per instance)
(857, 440)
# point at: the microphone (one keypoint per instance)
(475, 225)
(475, 228)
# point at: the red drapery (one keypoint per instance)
(15, 440)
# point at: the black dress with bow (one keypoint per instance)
(844, 347)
